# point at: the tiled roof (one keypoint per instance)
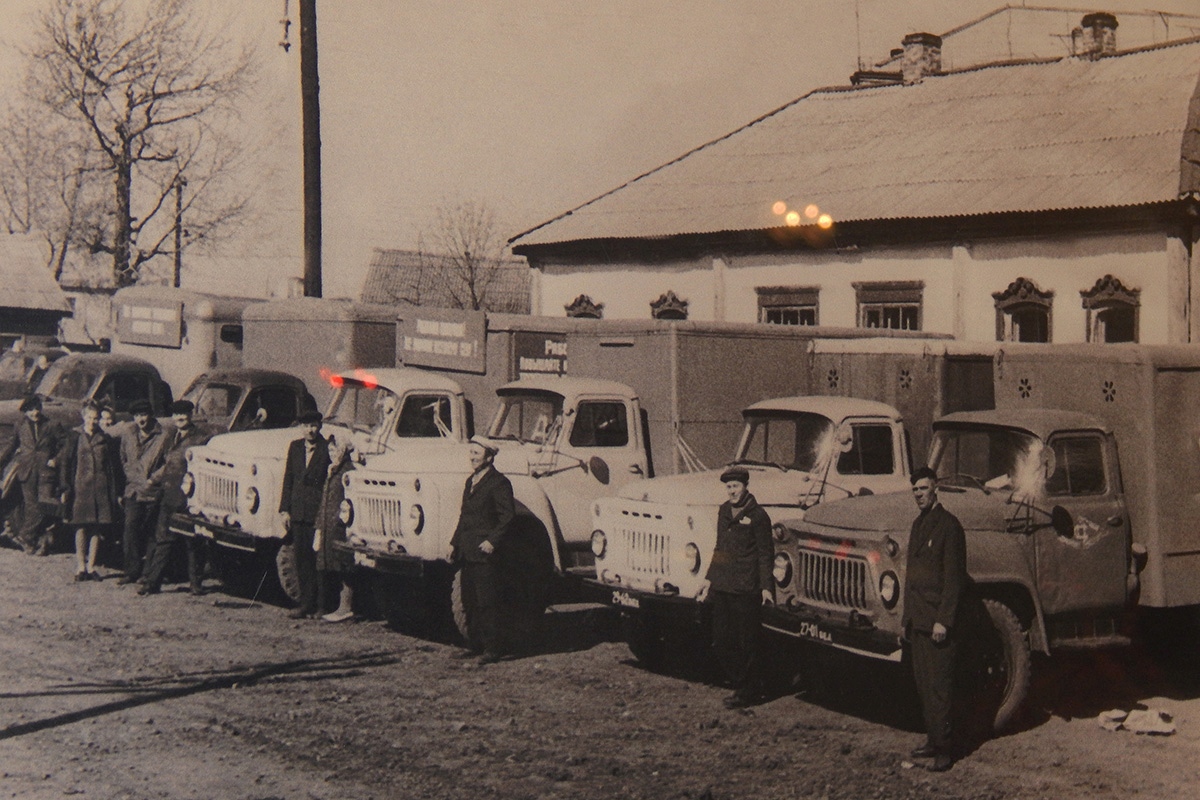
(1055, 134)
(27, 280)
(427, 279)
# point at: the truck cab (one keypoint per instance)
(234, 482)
(1040, 498)
(654, 541)
(242, 398)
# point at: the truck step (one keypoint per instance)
(1091, 643)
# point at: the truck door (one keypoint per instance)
(1087, 569)
(602, 436)
(121, 389)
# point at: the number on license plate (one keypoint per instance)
(625, 599)
(207, 533)
(364, 560)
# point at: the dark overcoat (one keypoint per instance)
(487, 512)
(743, 555)
(329, 521)
(936, 573)
(90, 477)
(174, 466)
(303, 484)
(30, 450)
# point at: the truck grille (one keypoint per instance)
(833, 579)
(216, 492)
(645, 553)
(378, 516)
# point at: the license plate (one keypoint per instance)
(625, 599)
(207, 533)
(364, 560)
(811, 630)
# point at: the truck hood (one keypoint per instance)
(770, 486)
(416, 456)
(256, 443)
(894, 513)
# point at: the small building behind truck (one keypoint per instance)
(1078, 498)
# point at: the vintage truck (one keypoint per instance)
(1078, 494)
(562, 442)
(244, 398)
(654, 541)
(234, 482)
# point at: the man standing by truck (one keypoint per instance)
(936, 577)
(305, 470)
(740, 584)
(142, 456)
(487, 511)
(32, 451)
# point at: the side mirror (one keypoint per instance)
(599, 469)
(1062, 522)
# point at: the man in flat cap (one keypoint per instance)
(180, 437)
(739, 585)
(304, 473)
(30, 457)
(487, 511)
(143, 457)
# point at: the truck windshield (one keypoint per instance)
(530, 417)
(985, 458)
(799, 440)
(365, 409)
(213, 400)
(66, 382)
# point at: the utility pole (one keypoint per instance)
(311, 112)
(179, 184)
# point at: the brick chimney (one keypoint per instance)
(922, 56)
(1096, 37)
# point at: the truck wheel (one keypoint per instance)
(1002, 666)
(285, 568)
(644, 635)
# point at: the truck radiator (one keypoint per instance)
(832, 579)
(379, 516)
(216, 492)
(645, 553)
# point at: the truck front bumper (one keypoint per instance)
(859, 635)
(234, 538)
(368, 558)
(636, 601)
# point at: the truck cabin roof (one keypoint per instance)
(1041, 422)
(251, 376)
(835, 408)
(399, 380)
(565, 386)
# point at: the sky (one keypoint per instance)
(528, 106)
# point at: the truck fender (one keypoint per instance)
(1022, 598)
(533, 502)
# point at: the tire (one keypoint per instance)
(285, 569)
(1001, 667)
(456, 606)
(644, 636)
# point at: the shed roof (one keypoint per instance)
(1042, 135)
(26, 279)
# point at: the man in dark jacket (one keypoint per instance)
(303, 484)
(32, 452)
(185, 434)
(143, 456)
(935, 579)
(739, 585)
(487, 511)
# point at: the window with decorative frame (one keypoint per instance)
(1112, 311)
(896, 305)
(788, 305)
(1023, 312)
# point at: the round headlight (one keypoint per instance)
(779, 532)
(782, 570)
(691, 555)
(188, 484)
(250, 500)
(599, 543)
(416, 519)
(889, 589)
(346, 512)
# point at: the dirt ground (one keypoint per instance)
(109, 695)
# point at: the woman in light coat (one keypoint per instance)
(89, 479)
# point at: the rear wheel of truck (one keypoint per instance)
(999, 669)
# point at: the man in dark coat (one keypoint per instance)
(739, 585)
(143, 456)
(185, 434)
(32, 453)
(304, 474)
(487, 512)
(935, 579)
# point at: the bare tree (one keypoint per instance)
(154, 95)
(466, 257)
